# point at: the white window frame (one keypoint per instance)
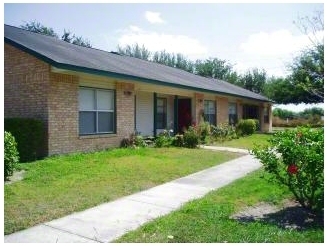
(233, 117)
(96, 110)
(206, 104)
(164, 118)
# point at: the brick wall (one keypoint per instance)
(63, 113)
(26, 85)
(64, 117)
(125, 109)
(32, 91)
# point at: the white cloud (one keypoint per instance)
(154, 41)
(154, 17)
(273, 51)
(135, 28)
(277, 43)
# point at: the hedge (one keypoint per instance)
(246, 126)
(29, 135)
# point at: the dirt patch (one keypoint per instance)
(17, 175)
(290, 216)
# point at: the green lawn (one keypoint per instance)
(206, 220)
(58, 186)
(247, 142)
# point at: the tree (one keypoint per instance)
(67, 36)
(254, 80)
(308, 75)
(305, 84)
(311, 112)
(135, 50)
(281, 91)
(213, 68)
(81, 42)
(37, 27)
(284, 113)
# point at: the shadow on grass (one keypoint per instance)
(291, 217)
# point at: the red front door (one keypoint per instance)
(184, 114)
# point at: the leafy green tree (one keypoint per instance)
(281, 90)
(213, 68)
(165, 58)
(308, 76)
(284, 113)
(81, 42)
(254, 80)
(136, 51)
(37, 27)
(311, 112)
(305, 84)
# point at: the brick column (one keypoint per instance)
(125, 109)
(239, 109)
(199, 107)
(223, 114)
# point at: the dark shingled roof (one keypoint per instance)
(64, 55)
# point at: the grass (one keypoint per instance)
(247, 142)
(58, 186)
(207, 220)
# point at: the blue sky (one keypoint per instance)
(246, 35)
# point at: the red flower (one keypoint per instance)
(292, 169)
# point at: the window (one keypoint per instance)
(266, 114)
(232, 113)
(210, 112)
(161, 113)
(250, 112)
(96, 111)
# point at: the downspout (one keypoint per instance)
(176, 115)
(155, 114)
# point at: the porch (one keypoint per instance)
(155, 112)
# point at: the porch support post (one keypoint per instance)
(155, 113)
(176, 115)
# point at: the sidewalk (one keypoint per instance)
(109, 221)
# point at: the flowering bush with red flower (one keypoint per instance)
(292, 169)
(295, 158)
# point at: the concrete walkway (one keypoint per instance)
(109, 221)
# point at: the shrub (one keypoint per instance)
(246, 127)
(29, 135)
(223, 132)
(135, 140)
(178, 140)
(295, 158)
(190, 137)
(11, 157)
(126, 142)
(163, 139)
(204, 131)
(138, 141)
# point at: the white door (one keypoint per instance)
(145, 113)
